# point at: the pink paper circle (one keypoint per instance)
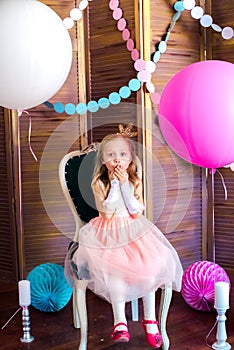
(113, 4)
(126, 34)
(155, 98)
(130, 44)
(121, 25)
(144, 76)
(117, 13)
(150, 87)
(139, 65)
(135, 54)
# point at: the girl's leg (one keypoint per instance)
(149, 312)
(118, 308)
(120, 329)
(149, 323)
(117, 292)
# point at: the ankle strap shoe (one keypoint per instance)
(120, 336)
(153, 340)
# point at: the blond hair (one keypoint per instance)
(100, 169)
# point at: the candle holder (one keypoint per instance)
(27, 337)
(221, 334)
(25, 301)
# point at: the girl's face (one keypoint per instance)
(116, 152)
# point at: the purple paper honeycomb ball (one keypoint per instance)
(198, 284)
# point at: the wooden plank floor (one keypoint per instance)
(187, 328)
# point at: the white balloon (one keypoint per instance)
(36, 53)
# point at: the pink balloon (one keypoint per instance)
(196, 113)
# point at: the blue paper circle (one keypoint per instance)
(162, 46)
(59, 107)
(179, 6)
(93, 106)
(81, 108)
(156, 56)
(134, 84)
(103, 102)
(124, 92)
(114, 98)
(50, 291)
(70, 108)
(176, 16)
(49, 104)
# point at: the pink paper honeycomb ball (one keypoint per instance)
(198, 284)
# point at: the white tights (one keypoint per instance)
(148, 308)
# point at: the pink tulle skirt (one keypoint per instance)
(125, 258)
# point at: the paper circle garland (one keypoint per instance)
(36, 53)
(50, 291)
(144, 74)
(198, 284)
(196, 113)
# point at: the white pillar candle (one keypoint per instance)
(24, 293)
(222, 295)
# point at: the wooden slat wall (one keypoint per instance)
(52, 135)
(106, 45)
(223, 15)
(111, 67)
(107, 49)
(224, 223)
(8, 256)
(174, 180)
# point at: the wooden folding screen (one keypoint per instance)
(111, 67)
(108, 67)
(222, 14)
(177, 185)
(8, 240)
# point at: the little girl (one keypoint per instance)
(126, 256)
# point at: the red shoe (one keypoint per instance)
(153, 340)
(120, 336)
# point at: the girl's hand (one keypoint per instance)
(120, 173)
(111, 175)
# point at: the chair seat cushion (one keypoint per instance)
(82, 273)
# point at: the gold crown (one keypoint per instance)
(127, 131)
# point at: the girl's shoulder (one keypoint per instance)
(100, 184)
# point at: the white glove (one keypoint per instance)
(113, 194)
(132, 204)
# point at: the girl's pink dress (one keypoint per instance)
(125, 258)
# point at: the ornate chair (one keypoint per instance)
(75, 173)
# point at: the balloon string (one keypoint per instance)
(210, 334)
(11, 318)
(224, 186)
(20, 112)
